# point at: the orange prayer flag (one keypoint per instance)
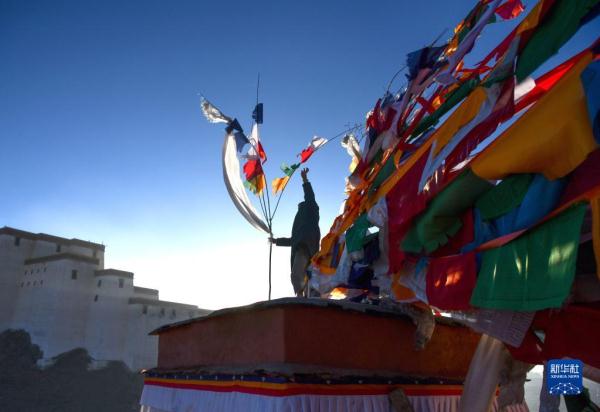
(278, 184)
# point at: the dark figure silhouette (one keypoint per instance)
(305, 235)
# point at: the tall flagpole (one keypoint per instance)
(267, 205)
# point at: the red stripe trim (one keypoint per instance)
(310, 389)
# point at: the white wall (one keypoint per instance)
(108, 327)
(11, 270)
(53, 307)
(85, 251)
(61, 313)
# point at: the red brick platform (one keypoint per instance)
(294, 334)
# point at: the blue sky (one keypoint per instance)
(102, 137)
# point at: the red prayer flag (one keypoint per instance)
(314, 144)
(252, 168)
(261, 153)
(306, 153)
(510, 9)
(402, 207)
(571, 332)
(451, 280)
(583, 179)
(372, 120)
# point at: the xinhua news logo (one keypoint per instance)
(565, 377)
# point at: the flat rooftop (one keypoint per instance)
(6, 230)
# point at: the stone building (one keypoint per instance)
(58, 290)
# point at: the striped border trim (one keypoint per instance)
(289, 388)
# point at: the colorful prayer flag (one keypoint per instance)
(289, 170)
(252, 168)
(279, 183)
(510, 9)
(534, 271)
(314, 144)
(257, 184)
(563, 20)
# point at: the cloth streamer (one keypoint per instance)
(235, 187)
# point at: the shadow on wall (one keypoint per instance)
(68, 385)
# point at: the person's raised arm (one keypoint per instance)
(281, 241)
(309, 195)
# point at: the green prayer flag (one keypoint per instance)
(442, 218)
(503, 198)
(386, 171)
(534, 271)
(356, 235)
(289, 170)
(559, 26)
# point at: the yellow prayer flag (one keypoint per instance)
(278, 184)
(553, 137)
